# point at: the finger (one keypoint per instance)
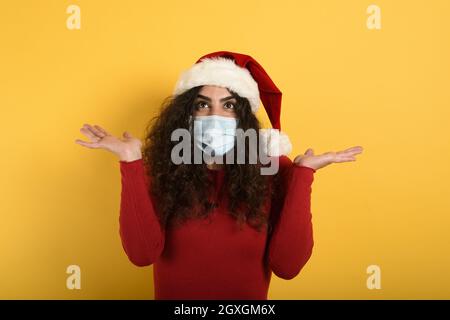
(96, 132)
(297, 158)
(88, 133)
(309, 152)
(358, 149)
(329, 155)
(88, 128)
(128, 135)
(350, 152)
(102, 130)
(344, 159)
(92, 145)
(353, 152)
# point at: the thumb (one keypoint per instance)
(309, 152)
(127, 135)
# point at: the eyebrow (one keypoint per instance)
(209, 99)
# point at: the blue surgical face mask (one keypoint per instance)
(215, 135)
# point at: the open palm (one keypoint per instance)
(319, 161)
(127, 148)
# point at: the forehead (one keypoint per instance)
(214, 91)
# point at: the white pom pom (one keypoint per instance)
(275, 143)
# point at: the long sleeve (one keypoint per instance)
(291, 241)
(140, 231)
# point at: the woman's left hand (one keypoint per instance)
(319, 161)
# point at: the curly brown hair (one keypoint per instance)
(181, 190)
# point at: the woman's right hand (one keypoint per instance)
(127, 148)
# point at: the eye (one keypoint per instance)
(229, 105)
(200, 105)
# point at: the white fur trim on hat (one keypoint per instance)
(222, 72)
(275, 143)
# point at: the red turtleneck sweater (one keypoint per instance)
(211, 258)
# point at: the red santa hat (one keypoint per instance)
(245, 76)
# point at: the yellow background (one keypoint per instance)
(343, 85)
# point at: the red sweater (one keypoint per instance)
(211, 258)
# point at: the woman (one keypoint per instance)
(214, 229)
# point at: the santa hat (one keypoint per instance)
(245, 76)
